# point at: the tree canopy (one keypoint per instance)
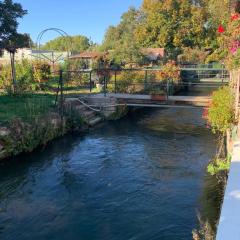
(171, 24)
(120, 39)
(219, 10)
(75, 44)
(9, 14)
(16, 41)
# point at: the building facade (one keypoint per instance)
(31, 55)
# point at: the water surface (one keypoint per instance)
(140, 178)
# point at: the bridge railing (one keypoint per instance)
(207, 66)
(137, 81)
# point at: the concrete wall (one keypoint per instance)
(29, 54)
(229, 224)
(108, 104)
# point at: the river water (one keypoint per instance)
(139, 178)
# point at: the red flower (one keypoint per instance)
(235, 17)
(221, 29)
(235, 46)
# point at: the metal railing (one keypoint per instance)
(135, 81)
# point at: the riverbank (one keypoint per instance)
(21, 136)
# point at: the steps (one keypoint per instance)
(89, 116)
(94, 121)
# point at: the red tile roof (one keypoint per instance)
(154, 53)
(89, 55)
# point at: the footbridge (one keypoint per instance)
(105, 88)
(137, 100)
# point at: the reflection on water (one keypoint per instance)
(139, 178)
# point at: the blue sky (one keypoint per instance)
(87, 17)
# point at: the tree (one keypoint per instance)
(120, 39)
(11, 44)
(75, 44)
(219, 10)
(9, 13)
(173, 24)
(9, 38)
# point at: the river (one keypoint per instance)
(140, 178)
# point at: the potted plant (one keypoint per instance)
(158, 95)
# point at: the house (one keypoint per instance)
(31, 55)
(154, 54)
(88, 58)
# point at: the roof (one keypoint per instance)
(89, 55)
(154, 53)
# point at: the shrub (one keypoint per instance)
(220, 114)
(28, 76)
(229, 41)
(78, 79)
(219, 165)
(42, 71)
(192, 56)
(171, 71)
(5, 76)
(25, 77)
(128, 82)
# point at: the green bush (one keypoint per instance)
(78, 79)
(219, 165)
(221, 111)
(192, 55)
(128, 82)
(42, 71)
(29, 75)
(25, 77)
(5, 76)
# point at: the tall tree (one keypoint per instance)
(9, 38)
(120, 39)
(75, 44)
(219, 10)
(9, 13)
(173, 24)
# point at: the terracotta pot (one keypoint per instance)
(158, 97)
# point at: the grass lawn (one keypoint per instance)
(25, 107)
(29, 106)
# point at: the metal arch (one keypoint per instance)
(59, 31)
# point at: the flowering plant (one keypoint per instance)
(170, 71)
(229, 38)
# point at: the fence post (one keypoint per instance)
(222, 74)
(104, 86)
(115, 81)
(145, 80)
(168, 88)
(90, 81)
(61, 96)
